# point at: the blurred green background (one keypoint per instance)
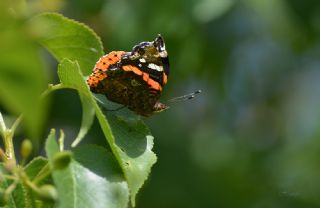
(252, 138)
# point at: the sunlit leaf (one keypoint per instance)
(79, 186)
(134, 144)
(66, 38)
(129, 139)
(76, 82)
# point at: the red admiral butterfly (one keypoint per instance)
(134, 79)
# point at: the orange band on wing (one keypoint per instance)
(134, 69)
(153, 84)
(145, 77)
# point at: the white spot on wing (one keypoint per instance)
(163, 48)
(155, 67)
(142, 60)
(163, 54)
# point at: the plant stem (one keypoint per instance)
(16, 123)
(61, 140)
(31, 185)
(9, 177)
(51, 88)
(10, 189)
(7, 136)
(43, 173)
(3, 127)
(8, 145)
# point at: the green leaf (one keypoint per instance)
(66, 38)
(41, 204)
(107, 165)
(129, 139)
(79, 186)
(34, 167)
(134, 143)
(23, 196)
(51, 145)
(107, 168)
(22, 77)
(4, 183)
(65, 71)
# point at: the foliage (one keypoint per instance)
(86, 176)
(251, 139)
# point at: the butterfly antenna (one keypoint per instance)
(185, 97)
